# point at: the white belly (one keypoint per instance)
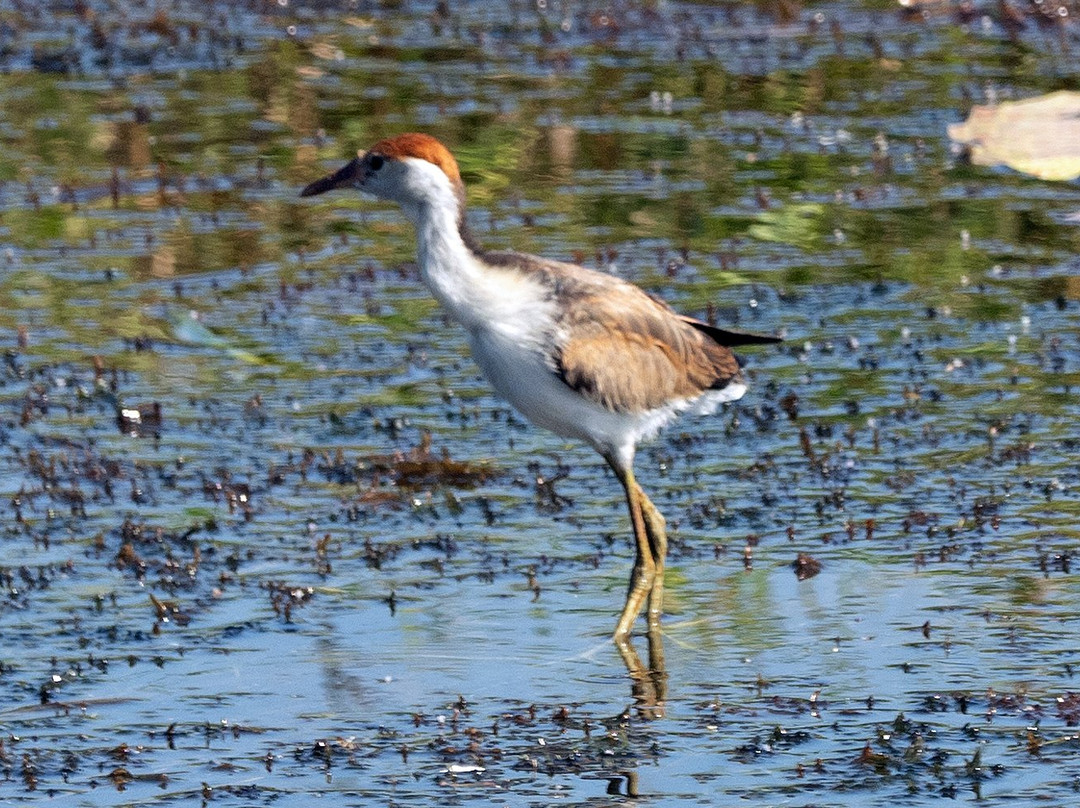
(509, 314)
(519, 373)
(518, 370)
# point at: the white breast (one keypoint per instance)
(509, 317)
(520, 371)
(519, 368)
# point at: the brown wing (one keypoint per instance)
(628, 352)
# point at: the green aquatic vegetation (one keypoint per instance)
(37, 228)
(800, 225)
(408, 316)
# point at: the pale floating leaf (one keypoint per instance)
(186, 328)
(464, 768)
(1038, 136)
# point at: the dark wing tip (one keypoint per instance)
(729, 338)
(748, 338)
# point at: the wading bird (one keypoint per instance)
(581, 353)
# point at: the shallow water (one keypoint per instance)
(281, 592)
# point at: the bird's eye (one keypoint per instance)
(376, 162)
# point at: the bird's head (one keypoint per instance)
(415, 170)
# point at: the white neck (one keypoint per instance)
(478, 296)
(448, 267)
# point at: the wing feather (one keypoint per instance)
(730, 338)
(622, 348)
(628, 352)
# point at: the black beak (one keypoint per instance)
(344, 177)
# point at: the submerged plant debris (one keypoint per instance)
(267, 537)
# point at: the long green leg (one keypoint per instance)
(643, 576)
(654, 527)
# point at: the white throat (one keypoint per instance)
(449, 269)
